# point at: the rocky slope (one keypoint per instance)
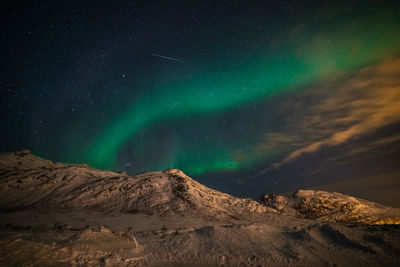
(332, 206)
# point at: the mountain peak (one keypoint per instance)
(176, 172)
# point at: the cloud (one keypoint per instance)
(382, 146)
(386, 141)
(346, 109)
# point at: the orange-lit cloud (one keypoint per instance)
(348, 108)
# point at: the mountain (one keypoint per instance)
(332, 207)
(29, 181)
(68, 214)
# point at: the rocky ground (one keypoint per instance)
(61, 214)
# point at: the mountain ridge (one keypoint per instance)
(71, 185)
(30, 181)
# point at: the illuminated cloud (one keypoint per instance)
(349, 108)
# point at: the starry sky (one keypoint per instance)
(247, 97)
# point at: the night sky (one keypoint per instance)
(247, 97)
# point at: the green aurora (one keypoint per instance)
(304, 58)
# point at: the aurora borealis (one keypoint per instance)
(273, 94)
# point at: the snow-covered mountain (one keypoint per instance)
(66, 214)
(29, 181)
(332, 207)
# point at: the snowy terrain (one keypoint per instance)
(63, 214)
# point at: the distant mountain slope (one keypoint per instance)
(332, 206)
(27, 180)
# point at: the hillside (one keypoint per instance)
(332, 207)
(29, 181)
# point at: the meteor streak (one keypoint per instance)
(169, 58)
